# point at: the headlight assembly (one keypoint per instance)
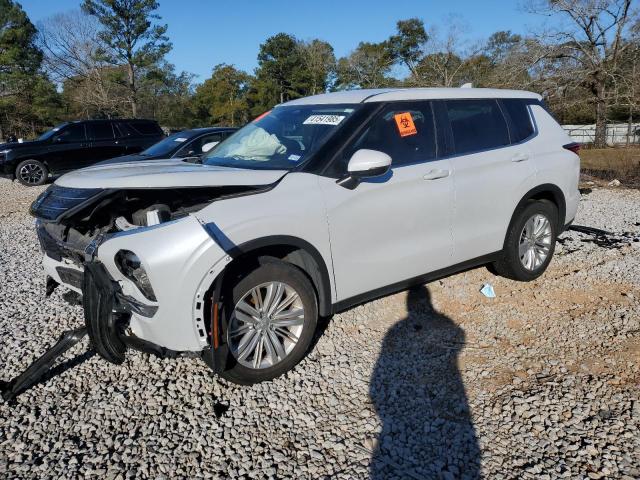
(130, 266)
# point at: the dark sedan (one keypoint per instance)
(188, 144)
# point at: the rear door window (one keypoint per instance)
(100, 131)
(72, 133)
(404, 131)
(520, 125)
(477, 125)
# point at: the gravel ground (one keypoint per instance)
(441, 382)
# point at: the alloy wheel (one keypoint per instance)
(535, 242)
(31, 173)
(266, 325)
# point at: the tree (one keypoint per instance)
(368, 66)
(130, 37)
(222, 99)
(167, 96)
(320, 63)
(592, 42)
(409, 42)
(28, 100)
(281, 74)
(73, 58)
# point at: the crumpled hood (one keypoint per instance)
(165, 174)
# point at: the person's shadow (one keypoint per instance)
(420, 399)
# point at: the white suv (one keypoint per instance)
(318, 205)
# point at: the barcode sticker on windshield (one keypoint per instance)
(324, 120)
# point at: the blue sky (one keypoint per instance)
(205, 33)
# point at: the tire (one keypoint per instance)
(530, 266)
(32, 173)
(290, 281)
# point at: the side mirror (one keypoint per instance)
(365, 164)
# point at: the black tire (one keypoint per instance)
(510, 265)
(270, 271)
(32, 173)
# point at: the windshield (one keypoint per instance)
(280, 139)
(51, 133)
(168, 145)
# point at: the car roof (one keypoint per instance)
(398, 94)
(134, 120)
(194, 132)
(211, 129)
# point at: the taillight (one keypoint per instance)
(572, 147)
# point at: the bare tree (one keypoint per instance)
(71, 44)
(591, 43)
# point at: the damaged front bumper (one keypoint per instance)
(181, 261)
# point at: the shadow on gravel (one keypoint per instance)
(419, 396)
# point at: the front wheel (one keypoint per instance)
(272, 318)
(530, 242)
(32, 173)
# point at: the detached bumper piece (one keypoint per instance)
(106, 314)
(38, 369)
(98, 300)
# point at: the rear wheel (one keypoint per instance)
(273, 315)
(32, 173)
(530, 241)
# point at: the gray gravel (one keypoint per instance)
(540, 382)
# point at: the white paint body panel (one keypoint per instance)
(176, 256)
(165, 173)
(294, 208)
(488, 186)
(555, 165)
(389, 229)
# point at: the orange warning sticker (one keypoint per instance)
(405, 124)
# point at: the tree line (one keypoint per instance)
(108, 59)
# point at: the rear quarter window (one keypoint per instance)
(521, 126)
(143, 128)
(477, 125)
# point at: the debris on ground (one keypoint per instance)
(487, 291)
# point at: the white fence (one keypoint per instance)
(617, 133)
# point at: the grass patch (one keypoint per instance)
(610, 163)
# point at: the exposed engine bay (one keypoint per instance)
(112, 211)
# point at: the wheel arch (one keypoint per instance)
(291, 249)
(546, 191)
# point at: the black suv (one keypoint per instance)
(75, 145)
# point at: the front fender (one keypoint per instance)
(294, 209)
(177, 256)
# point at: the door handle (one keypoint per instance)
(520, 157)
(435, 174)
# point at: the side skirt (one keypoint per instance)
(343, 305)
